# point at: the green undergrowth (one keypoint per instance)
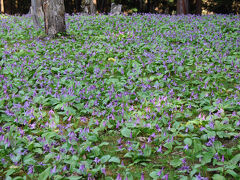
(121, 97)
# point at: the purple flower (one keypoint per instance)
(64, 168)
(142, 176)
(211, 124)
(53, 170)
(88, 149)
(3, 161)
(30, 169)
(211, 141)
(119, 177)
(160, 172)
(160, 149)
(103, 170)
(165, 177)
(186, 147)
(202, 128)
(89, 176)
(82, 168)
(216, 156)
(199, 177)
(238, 123)
(96, 160)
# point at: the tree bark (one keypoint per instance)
(199, 7)
(54, 17)
(182, 7)
(89, 6)
(7, 7)
(2, 6)
(36, 12)
(78, 5)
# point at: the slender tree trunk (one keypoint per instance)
(78, 5)
(140, 5)
(182, 7)
(2, 6)
(7, 6)
(54, 17)
(92, 7)
(199, 7)
(36, 12)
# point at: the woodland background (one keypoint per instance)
(133, 6)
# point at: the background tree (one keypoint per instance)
(2, 6)
(78, 5)
(36, 10)
(54, 17)
(199, 7)
(147, 6)
(222, 6)
(182, 7)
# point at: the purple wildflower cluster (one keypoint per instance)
(126, 90)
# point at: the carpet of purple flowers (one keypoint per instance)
(121, 97)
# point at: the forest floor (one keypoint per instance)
(141, 96)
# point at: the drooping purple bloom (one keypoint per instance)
(82, 167)
(186, 147)
(199, 177)
(165, 177)
(96, 160)
(103, 170)
(160, 149)
(54, 170)
(119, 177)
(30, 169)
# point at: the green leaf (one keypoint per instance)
(233, 173)
(129, 176)
(218, 177)
(45, 174)
(58, 177)
(207, 158)
(20, 178)
(175, 162)
(49, 135)
(235, 159)
(105, 158)
(93, 138)
(108, 178)
(188, 141)
(103, 144)
(197, 146)
(114, 159)
(10, 171)
(126, 132)
(183, 178)
(147, 151)
(154, 175)
(74, 177)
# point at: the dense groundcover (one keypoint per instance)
(126, 97)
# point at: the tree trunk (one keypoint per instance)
(36, 12)
(199, 7)
(78, 5)
(182, 7)
(54, 17)
(2, 6)
(92, 8)
(89, 7)
(140, 6)
(7, 6)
